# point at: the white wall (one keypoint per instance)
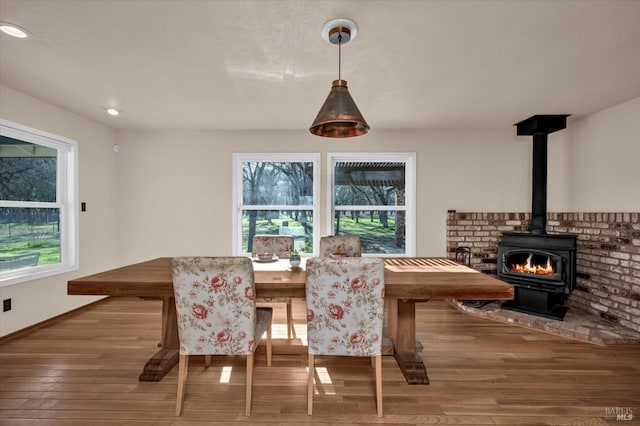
(38, 300)
(605, 160)
(175, 186)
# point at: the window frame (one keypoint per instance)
(409, 158)
(66, 201)
(237, 201)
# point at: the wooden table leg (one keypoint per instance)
(402, 329)
(392, 318)
(163, 361)
(389, 326)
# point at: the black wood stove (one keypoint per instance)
(541, 266)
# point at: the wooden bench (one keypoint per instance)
(19, 260)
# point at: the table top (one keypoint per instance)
(408, 278)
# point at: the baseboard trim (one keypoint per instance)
(49, 321)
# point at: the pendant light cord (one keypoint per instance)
(339, 55)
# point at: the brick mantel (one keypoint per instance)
(608, 255)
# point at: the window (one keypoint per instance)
(38, 214)
(275, 194)
(373, 195)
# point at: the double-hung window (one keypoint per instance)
(38, 214)
(373, 195)
(275, 194)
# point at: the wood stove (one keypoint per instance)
(541, 266)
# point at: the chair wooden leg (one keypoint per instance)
(378, 359)
(248, 385)
(269, 346)
(310, 376)
(207, 361)
(291, 331)
(183, 366)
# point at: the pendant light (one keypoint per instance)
(339, 116)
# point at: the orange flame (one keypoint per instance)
(528, 268)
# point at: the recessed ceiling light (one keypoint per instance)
(113, 111)
(13, 30)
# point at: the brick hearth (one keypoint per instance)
(606, 300)
(577, 324)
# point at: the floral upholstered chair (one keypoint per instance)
(282, 245)
(217, 314)
(345, 307)
(341, 245)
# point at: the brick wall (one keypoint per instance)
(608, 255)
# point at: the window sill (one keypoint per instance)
(8, 278)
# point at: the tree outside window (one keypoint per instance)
(373, 197)
(275, 197)
(37, 218)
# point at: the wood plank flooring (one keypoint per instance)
(83, 370)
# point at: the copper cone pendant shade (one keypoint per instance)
(339, 116)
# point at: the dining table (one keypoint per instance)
(408, 280)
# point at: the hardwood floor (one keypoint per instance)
(83, 370)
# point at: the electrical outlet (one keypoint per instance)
(6, 305)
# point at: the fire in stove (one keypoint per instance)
(530, 268)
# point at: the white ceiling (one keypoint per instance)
(262, 64)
